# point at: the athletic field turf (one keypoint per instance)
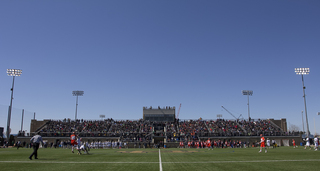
(282, 158)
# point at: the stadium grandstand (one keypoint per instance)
(160, 126)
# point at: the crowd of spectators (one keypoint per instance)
(255, 128)
(221, 127)
(67, 126)
(130, 126)
(141, 130)
(192, 127)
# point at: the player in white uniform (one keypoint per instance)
(115, 144)
(83, 148)
(120, 144)
(87, 146)
(307, 144)
(316, 143)
(268, 143)
(79, 145)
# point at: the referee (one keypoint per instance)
(35, 140)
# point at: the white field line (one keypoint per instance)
(160, 163)
(208, 162)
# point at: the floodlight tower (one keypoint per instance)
(77, 93)
(302, 121)
(13, 73)
(248, 93)
(304, 71)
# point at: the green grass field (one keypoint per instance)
(282, 158)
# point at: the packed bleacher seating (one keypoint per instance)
(255, 128)
(221, 127)
(192, 127)
(141, 130)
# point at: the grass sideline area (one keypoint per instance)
(281, 158)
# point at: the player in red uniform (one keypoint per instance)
(262, 144)
(294, 143)
(181, 144)
(208, 143)
(73, 139)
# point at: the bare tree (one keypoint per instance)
(294, 128)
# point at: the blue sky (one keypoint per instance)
(128, 54)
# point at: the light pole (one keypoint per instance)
(304, 71)
(248, 93)
(13, 73)
(77, 93)
(22, 120)
(302, 121)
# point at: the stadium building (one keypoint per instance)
(165, 114)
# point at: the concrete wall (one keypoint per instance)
(282, 123)
(34, 125)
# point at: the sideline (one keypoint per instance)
(82, 162)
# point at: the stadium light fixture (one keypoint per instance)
(248, 93)
(304, 71)
(77, 93)
(102, 116)
(13, 73)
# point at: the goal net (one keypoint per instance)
(278, 142)
(285, 142)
